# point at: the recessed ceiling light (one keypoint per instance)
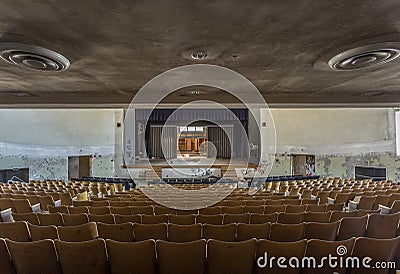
(33, 57)
(199, 55)
(365, 56)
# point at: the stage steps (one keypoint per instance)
(153, 173)
(229, 172)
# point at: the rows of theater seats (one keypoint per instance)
(341, 225)
(201, 256)
(131, 248)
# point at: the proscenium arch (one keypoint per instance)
(154, 91)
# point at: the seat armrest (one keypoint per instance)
(36, 208)
(384, 209)
(353, 205)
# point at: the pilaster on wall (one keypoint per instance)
(119, 145)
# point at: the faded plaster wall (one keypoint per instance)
(340, 139)
(43, 139)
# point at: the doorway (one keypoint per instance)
(192, 141)
(79, 166)
(303, 165)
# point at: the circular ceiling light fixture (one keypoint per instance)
(199, 55)
(33, 57)
(365, 56)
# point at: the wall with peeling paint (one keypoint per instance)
(43, 139)
(340, 139)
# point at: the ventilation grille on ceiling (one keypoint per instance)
(33, 57)
(365, 56)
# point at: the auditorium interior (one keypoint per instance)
(199, 136)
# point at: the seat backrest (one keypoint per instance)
(66, 199)
(189, 257)
(270, 202)
(22, 205)
(182, 219)
(99, 210)
(78, 233)
(154, 219)
(319, 217)
(322, 231)
(220, 232)
(287, 232)
(163, 210)
(292, 201)
(58, 209)
(5, 260)
(50, 219)
(101, 203)
(78, 209)
(27, 217)
(310, 201)
(119, 219)
(366, 202)
(6, 203)
(17, 231)
(209, 219)
(116, 232)
(141, 258)
(382, 226)
(267, 249)
(45, 201)
(335, 206)
(126, 210)
(150, 231)
(79, 203)
(316, 208)
(38, 257)
(75, 219)
(250, 231)
(274, 208)
(148, 210)
(379, 250)
(187, 211)
(295, 208)
(82, 257)
(352, 227)
(338, 215)
(237, 257)
(213, 210)
(253, 209)
(321, 248)
(103, 218)
(256, 218)
(291, 218)
(255, 203)
(395, 206)
(184, 233)
(236, 218)
(231, 209)
(39, 232)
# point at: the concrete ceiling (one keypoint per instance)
(117, 46)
